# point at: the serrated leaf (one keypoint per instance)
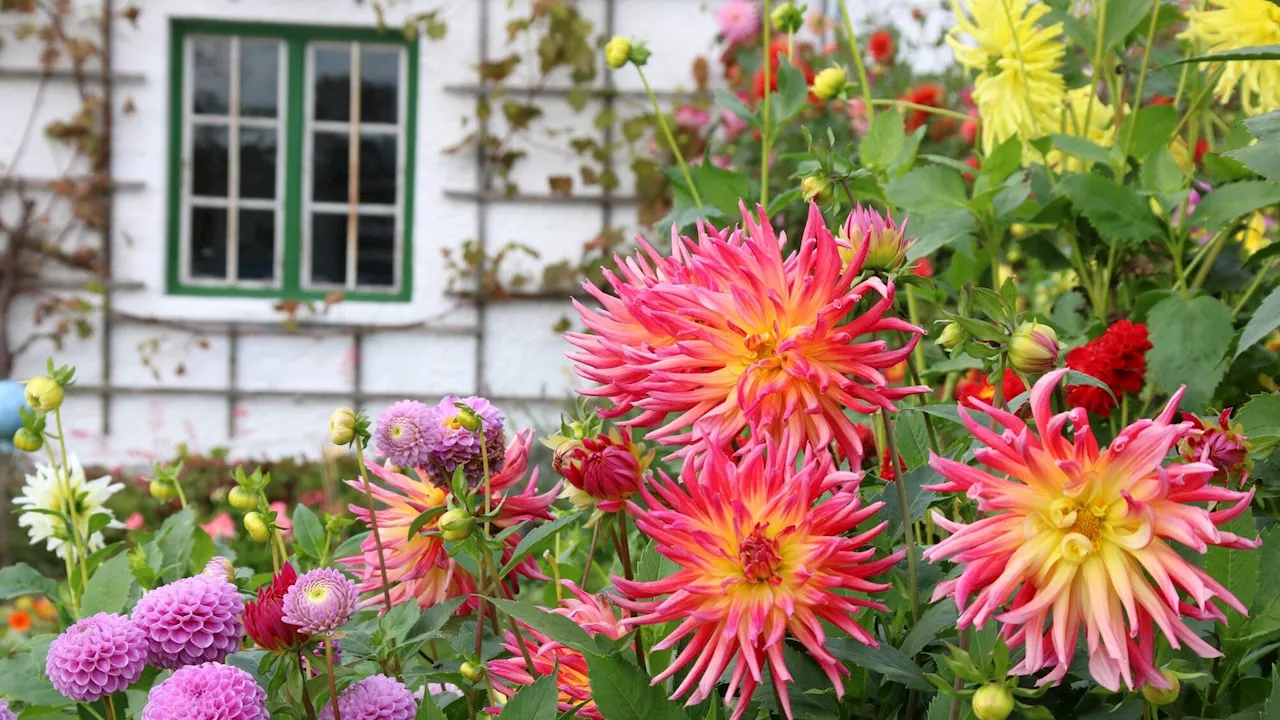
(1265, 319)
(936, 619)
(1258, 52)
(537, 701)
(308, 533)
(557, 627)
(1236, 569)
(22, 579)
(1082, 148)
(1228, 202)
(886, 660)
(401, 618)
(428, 709)
(936, 230)
(1116, 211)
(928, 189)
(108, 589)
(623, 692)
(1122, 17)
(1189, 338)
(537, 538)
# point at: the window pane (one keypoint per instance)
(209, 158)
(257, 246)
(378, 169)
(328, 249)
(211, 69)
(208, 242)
(333, 83)
(257, 163)
(259, 77)
(379, 78)
(330, 171)
(375, 255)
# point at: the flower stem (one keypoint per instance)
(591, 554)
(857, 60)
(923, 108)
(766, 124)
(306, 694)
(1097, 59)
(79, 543)
(110, 707)
(182, 496)
(373, 521)
(671, 140)
(488, 479)
(624, 554)
(1257, 280)
(1142, 76)
(499, 588)
(333, 684)
(908, 527)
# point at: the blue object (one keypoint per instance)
(12, 398)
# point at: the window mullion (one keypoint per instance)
(295, 124)
(233, 165)
(353, 165)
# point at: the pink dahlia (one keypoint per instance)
(405, 433)
(376, 697)
(5, 712)
(100, 655)
(764, 549)
(1222, 445)
(220, 567)
(727, 334)
(209, 690)
(452, 444)
(320, 602)
(190, 621)
(604, 471)
(1081, 537)
(739, 21)
(419, 566)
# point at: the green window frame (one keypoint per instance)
(299, 235)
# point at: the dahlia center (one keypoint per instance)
(761, 344)
(398, 431)
(1087, 524)
(759, 556)
(453, 424)
(317, 593)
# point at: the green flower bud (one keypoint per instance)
(472, 671)
(44, 394)
(256, 525)
(787, 18)
(1033, 349)
(816, 188)
(952, 336)
(993, 701)
(27, 440)
(163, 490)
(342, 426)
(456, 524)
(617, 52)
(242, 499)
(828, 83)
(467, 418)
(1163, 696)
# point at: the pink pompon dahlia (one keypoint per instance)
(593, 614)
(5, 712)
(376, 697)
(1080, 536)
(320, 602)
(406, 433)
(761, 554)
(728, 334)
(420, 566)
(100, 655)
(190, 621)
(739, 20)
(454, 445)
(210, 690)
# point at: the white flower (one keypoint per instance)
(44, 491)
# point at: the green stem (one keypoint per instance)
(1206, 257)
(1257, 280)
(333, 685)
(1097, 60)
(671, 140)
(908, 527)
(624, 554)
(857, 60)
(1142, 75)
(373, 521)
(182, 496)
(766, 133)
(591, 553)
(307, 705)
(922, 108)
(80, 543)
(110, 707)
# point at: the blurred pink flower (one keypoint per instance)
(282, 518)
(135, 522)
(692, 117)
(739, 20)
(734, 125)
(857, 111)
(221, 526)
(312, 498)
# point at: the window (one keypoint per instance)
(291, 171)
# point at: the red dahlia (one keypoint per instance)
(975, 386)
(1117, 358)
(264, 617)
(927, 94)
(881, 47)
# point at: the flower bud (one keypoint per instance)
(617, 52)
(256, 525)
(27, 440)
(888, 241)
(993, 701)
(219, 565)
(467, 417)
(828, 83)
(816, 188)
(1163, 696)
(44, 394)
(163, 490)
(456, 524)
(563, 454)
(952, 336)
(342, 426)
(605, 471)
(787, 18)
(1018, 230)
(472, 671)
(1033, 349)
(242, 499)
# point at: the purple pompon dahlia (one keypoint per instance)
(209, 690)
(321, 601)
(100, 655)
(221, 567)
(376, 697)
(456, 445)
(191, 621)
(5, 712)
(405, 433)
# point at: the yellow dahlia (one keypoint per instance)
(1096, 125)
(1076, 536)
(728, 333)
(764, 549)
(1018, 90)
(1233, 25)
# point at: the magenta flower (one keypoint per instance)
(739, 20)
(454, 445)
(191, 621)
(405, 432)
(321, 601)
(376, 697)
(5, 712)
(100, 655)
(209, 690)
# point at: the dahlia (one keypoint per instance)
(210, 690)
(1117, 358)
(190, 621)
(264, 617)
(405, 432)
(727, 333)
(604, 471)
(1082, 537)
(420, 566)
(739, 21)
(5, 712)
(43, 491)
(975, 386)
(761, 553)
(1233, 25)
(880, 47)
(1096, 124)
(927, 94)
(221, 567)
(100, 655)
(320, 602)
(1222, 445)
(455, 445)
(886, 241)
(594, 615)
(376, 697)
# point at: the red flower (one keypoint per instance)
(969, 131)
(973, 162)
(1222, 445)
(1160, 100)
(881, 47)
(887, 471)
(1117, 358)
(777, 51)
(974, 385)
(1202, 147)
(605, 470)
(929, 94)
(923, 267)
(264, 618)
(942, 128)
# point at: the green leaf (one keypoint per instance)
(1122, 17)
(918, 499)
(940, 707)
(912, 437)
(537, 539)
(793, 93)
(428, 709)
(423, 518)
(928, 189)
(1082, 148)
(1118, 212)
(937, 618)
(1228, 202)
(23, 678)
(1160, 173)
(1002, 162)
(1258, 52)
(1152, 128)
(883, 141)
(1260, 421)
(1264, 156)
(22, 579)
(108, 589)
(622, 691)
(308, 532)
(1265, 319)
(1236, 569)
(173, 543)
(1189, 339)
(886, 660)
(401, 618)
(731, 102)
(934, 231)
(434, 617)
(351, 546)
(557, 627)
(1272, 708)
(537, 701)
(1268, 583)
